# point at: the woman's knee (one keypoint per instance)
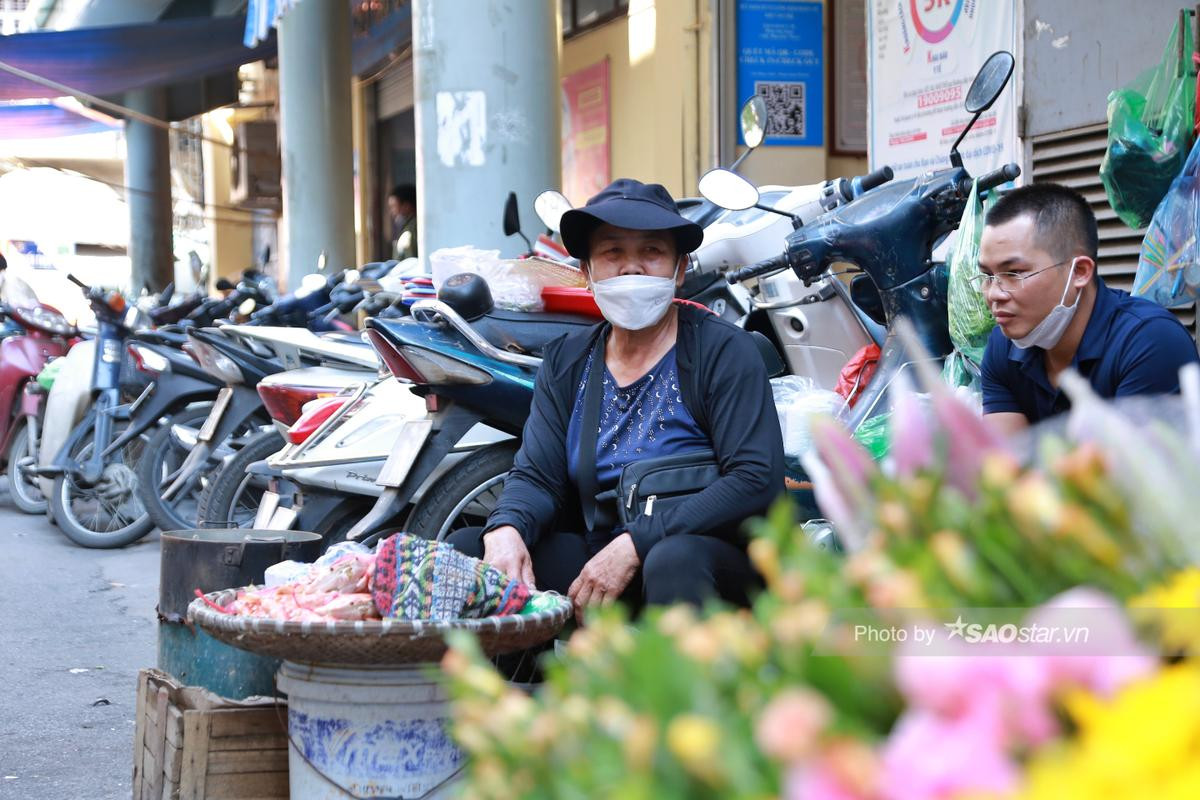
(468, 541)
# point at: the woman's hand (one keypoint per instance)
(505, 550)
(605, 576)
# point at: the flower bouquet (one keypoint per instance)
(1003, 625)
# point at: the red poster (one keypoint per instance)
(585, 132)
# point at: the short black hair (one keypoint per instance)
(3, 262)
(405, 193)
(1062, 217)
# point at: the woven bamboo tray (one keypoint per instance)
(390, 641)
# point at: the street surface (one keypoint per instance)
(76, 625)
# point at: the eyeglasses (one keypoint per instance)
(1008, 282)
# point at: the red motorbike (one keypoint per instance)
(29, 337)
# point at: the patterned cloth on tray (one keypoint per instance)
(417, 578)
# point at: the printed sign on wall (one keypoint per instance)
(585, 132)
(781, 57)
(923, 57)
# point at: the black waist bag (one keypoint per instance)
(646, 486)
(655, 484)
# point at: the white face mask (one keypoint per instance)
(1047, 333)
(634, 302)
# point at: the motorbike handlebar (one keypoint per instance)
(775, 264)
(865, 183)
(1009, 172)
(78, 282)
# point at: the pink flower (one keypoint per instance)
(791, 724)
(1102, 653)
(931, 756)
(816, 782)
(911, 430)
(841, 471)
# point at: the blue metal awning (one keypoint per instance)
(111, 60)
(48, 120)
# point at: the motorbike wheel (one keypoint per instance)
(109, 514)
(232, 498)
(25, 491)
(463, 496)
(157, 469)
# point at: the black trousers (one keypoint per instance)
(678, 569)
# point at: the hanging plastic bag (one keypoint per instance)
(1150, 125)
(857, 373)
(1168, 270)
(970, 319)
(960, 371)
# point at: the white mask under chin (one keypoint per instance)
(1049, 332)
(634, 302)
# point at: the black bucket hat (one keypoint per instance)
(626, 203)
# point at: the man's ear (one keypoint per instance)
(681, 270)
(1085, 271)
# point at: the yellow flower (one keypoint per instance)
(641, 742)
(1144, 742)
(999, 470)
(1174, 608)
(1035, 505)
(677, 620)
(800, 623)
(701, 643)
(894, 518)
(956, 560)
(764, 554)
(693, 739)
(1083, 528)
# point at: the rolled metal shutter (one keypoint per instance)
(394, 90)
(1072, 158)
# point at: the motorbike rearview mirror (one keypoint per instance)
(311, 283)
(247, 307)
(512, 220)
(754, 121)
(512, 217)
(729, 190)
(322, 259)
(550, 207)
(989, 82)
(985, 90)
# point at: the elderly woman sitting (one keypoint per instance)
(670, 379)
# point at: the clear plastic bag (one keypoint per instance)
(970, 319)
(515, 284)
(1169, 265)
(797, 399)
(1150, 126)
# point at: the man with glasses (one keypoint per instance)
(1038, 273)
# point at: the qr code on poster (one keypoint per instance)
(785, 107)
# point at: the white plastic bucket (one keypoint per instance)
(366, 732)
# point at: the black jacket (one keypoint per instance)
(723, 382)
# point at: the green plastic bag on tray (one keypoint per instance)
(1150, 125)
(875, 435)
(970, 318)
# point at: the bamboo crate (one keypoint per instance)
(191, 745)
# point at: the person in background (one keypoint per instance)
(1038, 273)
(402, 208)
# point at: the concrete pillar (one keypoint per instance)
(315, 134)
(487, 117)
(148, 176)
(230, 232)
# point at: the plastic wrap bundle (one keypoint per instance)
(515, 284)
(797, 399)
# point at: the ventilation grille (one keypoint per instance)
(1073, 158)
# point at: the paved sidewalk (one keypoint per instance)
(76, 625)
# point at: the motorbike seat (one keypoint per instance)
(527, 333)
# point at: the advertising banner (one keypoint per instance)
(585, 132)
(923, 56)
(781, 57)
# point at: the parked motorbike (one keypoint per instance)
(30, 336)
(889, 234)
(93, 499)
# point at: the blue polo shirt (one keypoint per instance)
(1130, 346)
